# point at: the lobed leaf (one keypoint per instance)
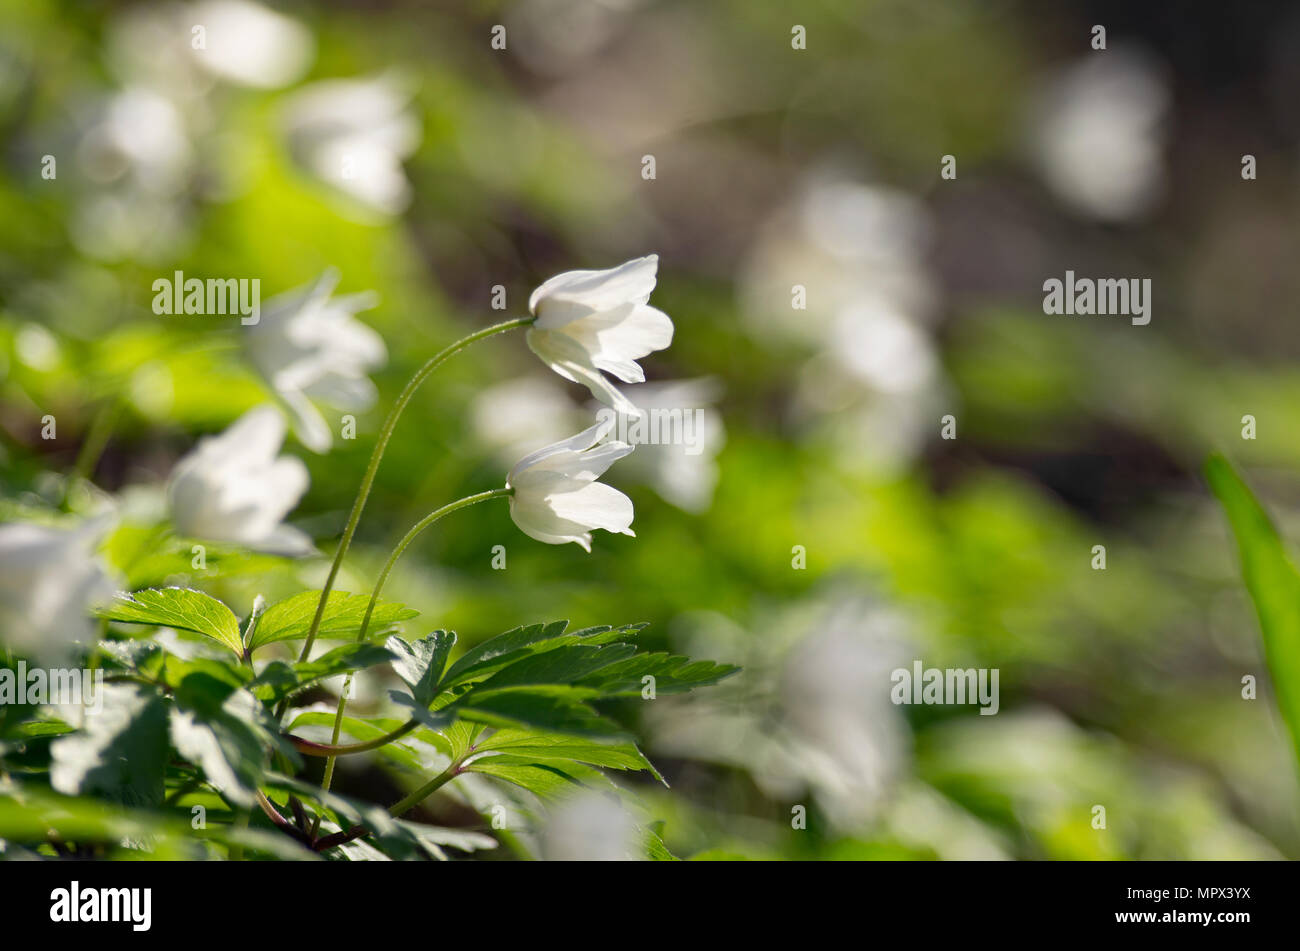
(181, 608)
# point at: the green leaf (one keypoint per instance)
(120, 754)
(672, 674)
(279, 680)
(553, 709)
(421, 663)
(1273, 583)
(226, 732)
(513, 645)
(181, 608)
(548, 747)
(29, 815)
(291, 618)
(548, 781)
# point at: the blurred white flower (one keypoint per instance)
(354, 135)
(681, 464)
(856, 252)
(1096, 134)
(812, 714)
(233, 488)
(50, 578)
(247, 43)
(556, 496)
(135, 158)
(589, 827)
(516, 416)
(589, 321)
(310, 347)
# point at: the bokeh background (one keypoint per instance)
(774, 167)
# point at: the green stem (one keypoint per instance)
(425, 791)
(405, 543)
(381, 444)
(311, 748)
(410, 536)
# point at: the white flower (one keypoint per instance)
(1096, 134)
(50, 578)
(354, 134)
(589, 321)
(232, 488)
(556, 496)
(308, 346)
(248, 44)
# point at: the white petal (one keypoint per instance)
(308, 424)
(584, 440)
(257, 435)
(565, 471)
(600, 290)
(536, 519)
(595, 506)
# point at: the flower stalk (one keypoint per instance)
(381, 444)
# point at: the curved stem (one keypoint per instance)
(363, 491)
(312, 748)
(425, 791)
(410, 536)
(405, 543)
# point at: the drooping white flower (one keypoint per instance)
(308, 346)
(556, 496)
(354, 135)
(50, 578)
(233, 488)
(593, 321)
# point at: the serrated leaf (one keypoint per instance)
(420, 712)
(547, 747)
(291, 618)
(181, 608)
(672, 674)
(513, 645)
(1273, 583)
(120, 753)
(553, 709)
(421, 663)
(548, 781)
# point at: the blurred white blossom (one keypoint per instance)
(233, 488)
(1096, 134)
(309, 346)
(812, 715)
(516, 416)
(249, 44)
(841, 271)
(354, 134)
(683, 469)
(590, 827)
(50, 579)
